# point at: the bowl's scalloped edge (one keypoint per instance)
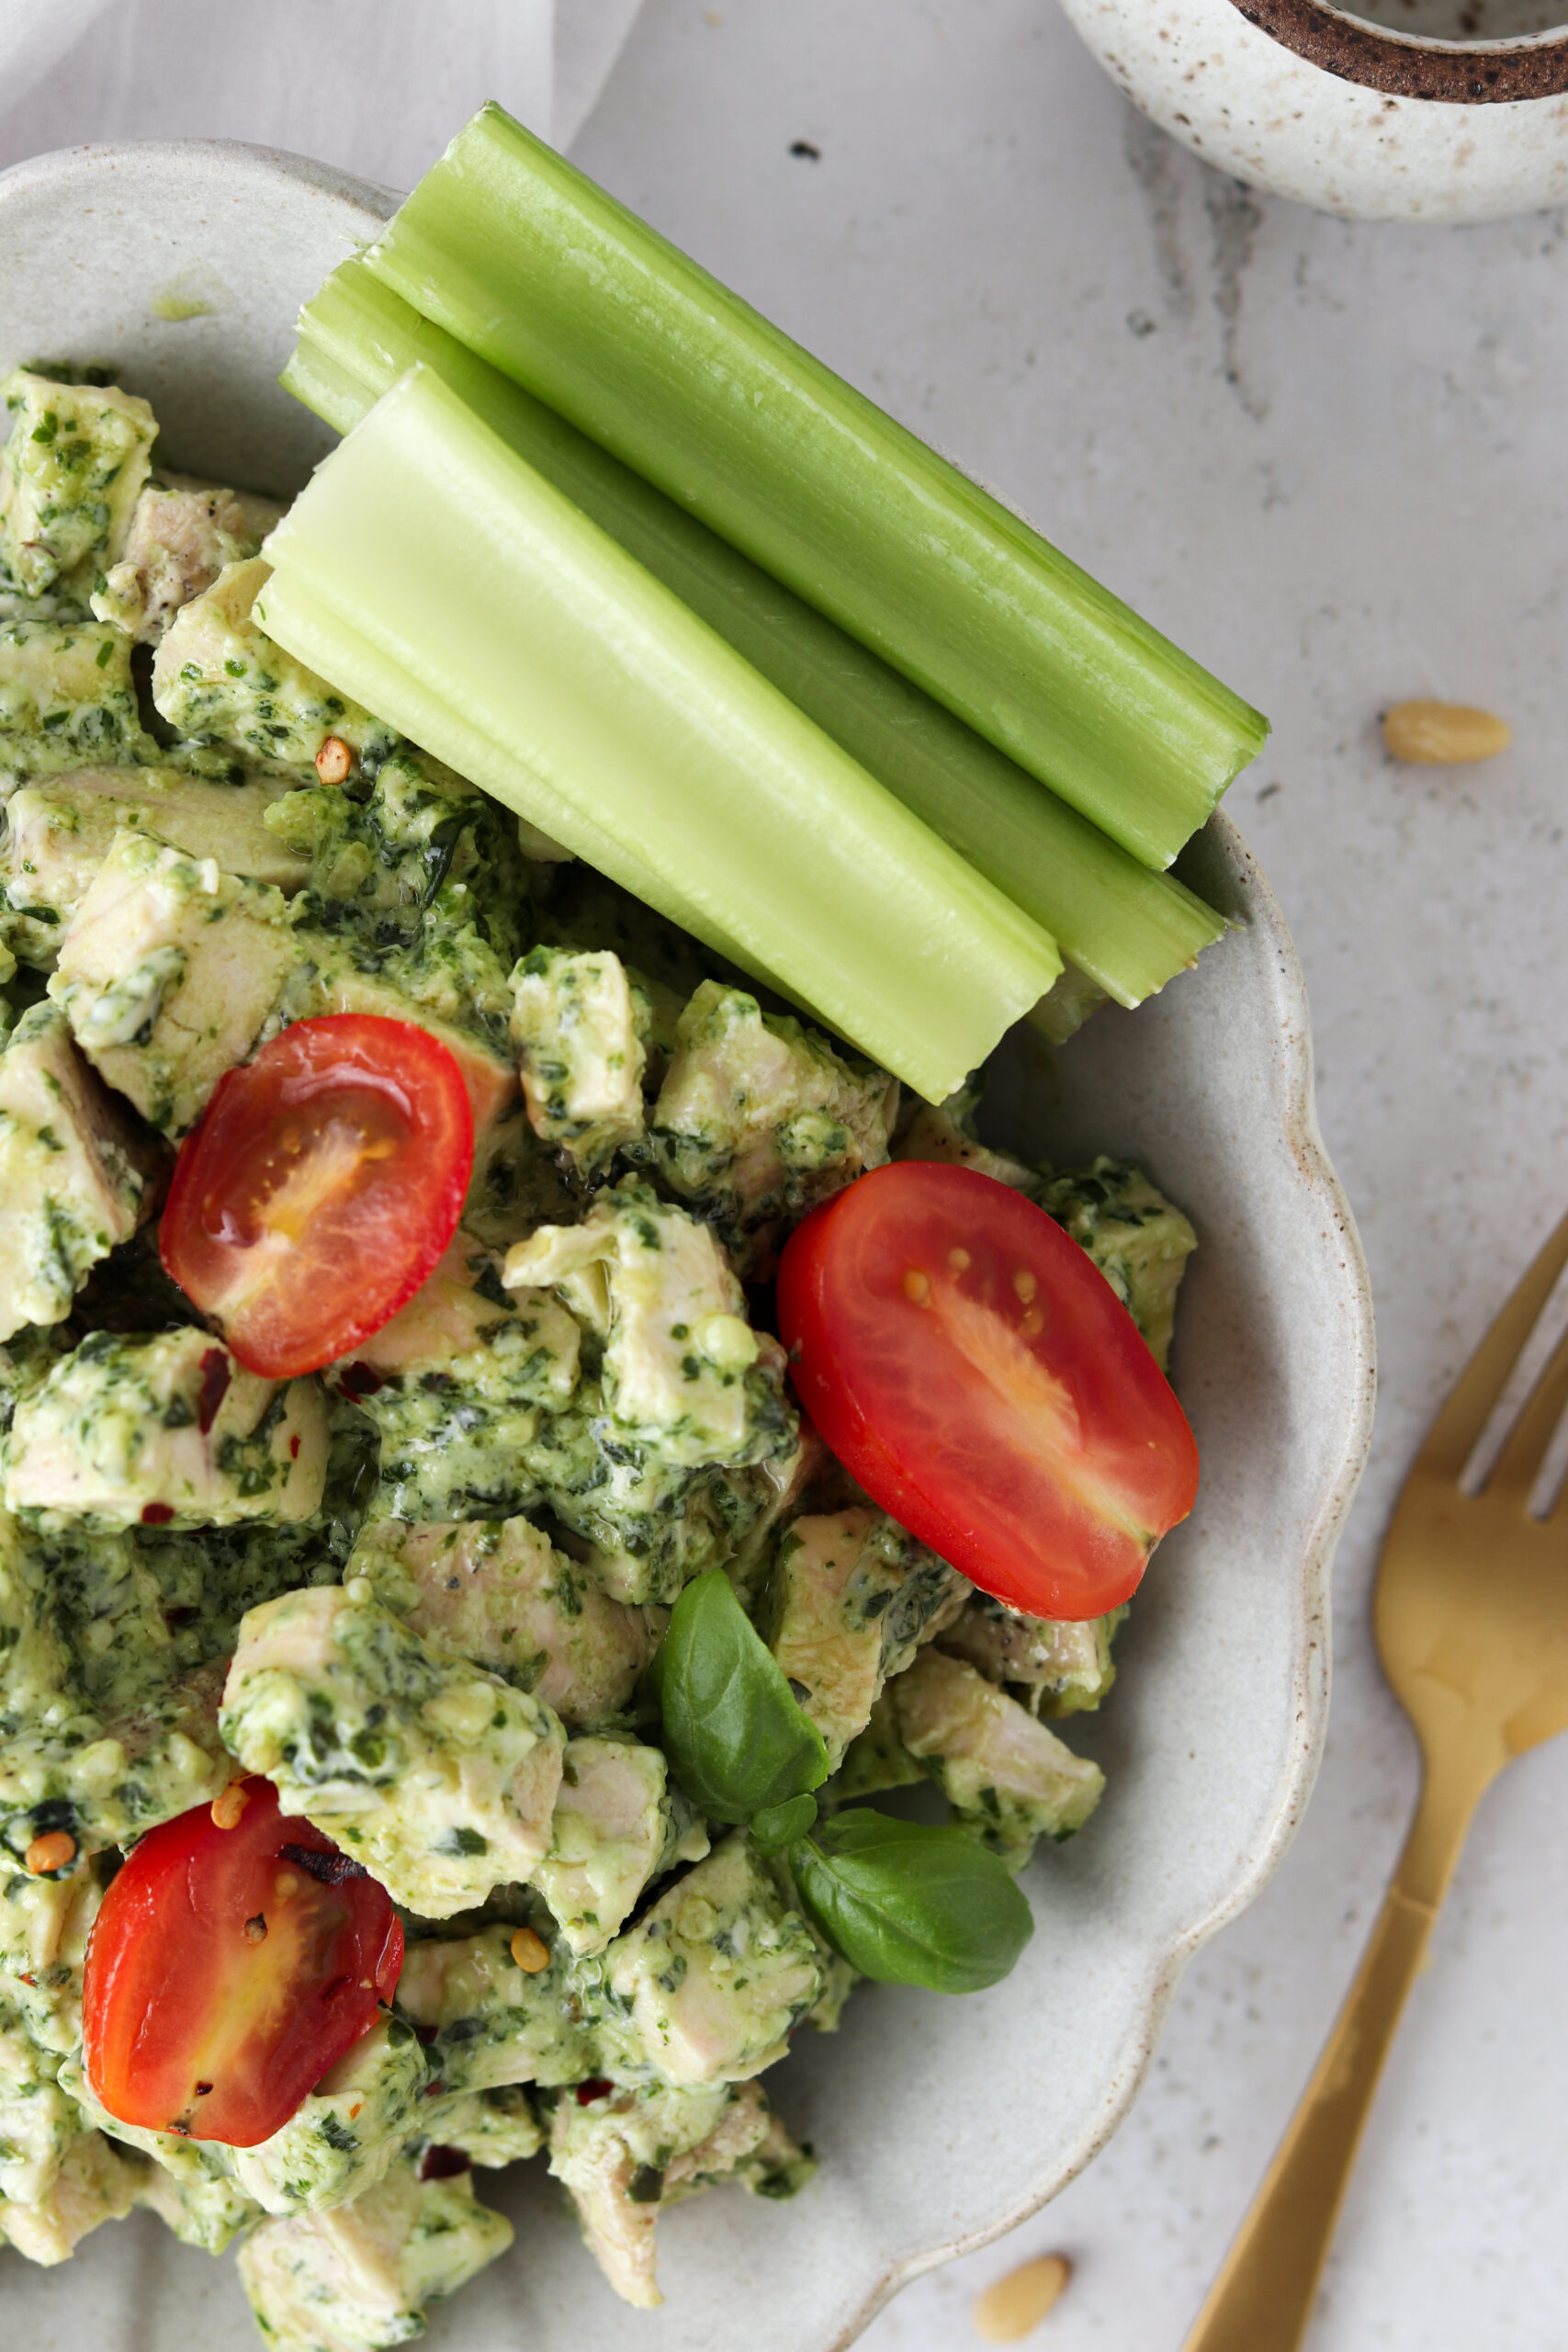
(1299, 1109)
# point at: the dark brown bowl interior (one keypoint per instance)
(1455, 73)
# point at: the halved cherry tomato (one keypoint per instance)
(229, 1968)
(973, 1368)
(325, 1180)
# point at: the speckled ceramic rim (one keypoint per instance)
(1450, 73)
(1316, 1569)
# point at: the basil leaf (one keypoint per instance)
(778, 1825)
(737, 1741)
(912, 1904)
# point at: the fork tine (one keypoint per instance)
(1519, 1466)
(1463, 1418)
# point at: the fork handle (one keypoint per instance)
(1263, 2297)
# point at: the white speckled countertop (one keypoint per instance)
(1328, 459)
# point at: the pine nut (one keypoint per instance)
(530, 1951)
(55, 1850)
(1443, 734)
(1010, 2307)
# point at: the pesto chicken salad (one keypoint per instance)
(442, 1667)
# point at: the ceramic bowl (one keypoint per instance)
(938, 2123)
(1427, 111)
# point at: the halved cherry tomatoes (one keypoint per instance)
(229, 1968)
(973, 1368)
(325, 1180)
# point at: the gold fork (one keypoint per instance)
(1471, 1617)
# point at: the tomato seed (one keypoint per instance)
(227, 1808)
(1033, 1323)
(917, 1286)
(55, 1850)
(1025, 1284)
(256, 1929)
(959, 1261)
(285, 1884)
(530, 1951)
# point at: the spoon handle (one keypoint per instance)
(1262, 2300)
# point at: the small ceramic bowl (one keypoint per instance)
(1432, 110)
(938, 2123)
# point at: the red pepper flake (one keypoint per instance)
(442, 2163)
(156, 1514)
(294, 1449)
(334, 761)
(357, 1380)
(217, 1373)
(202, 2089)
(327, 1865)
(598, 2088)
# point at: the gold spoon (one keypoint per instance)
(1471, 1618)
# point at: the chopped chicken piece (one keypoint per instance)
(718, 1973)
(441, 1777)
(166, 1432)
(1009, 1779)
(578, 1025)
(496, 1591)
(167, 973)
(616, 1826)
(181, 537)
(77, 1176)
(627, 2152)
(854, 1597)
(363, 2275)
(95, 2184)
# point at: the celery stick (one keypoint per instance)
(537, 270)
(294, 616)
(454, 558)
(1128, 930)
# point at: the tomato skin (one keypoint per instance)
(325, 1180)
(973, 1369)
(180, 1990)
